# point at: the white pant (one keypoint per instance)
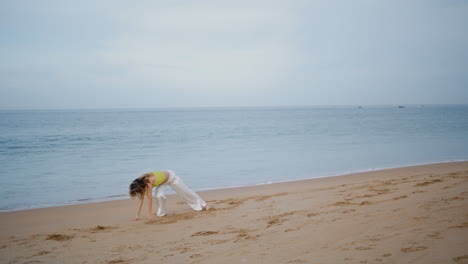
(176, 183)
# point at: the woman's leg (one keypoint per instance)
(193, 199)
(161, 200)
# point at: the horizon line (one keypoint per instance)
(235, 107)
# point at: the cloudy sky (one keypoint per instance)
(140, 54)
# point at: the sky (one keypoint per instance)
(150, 54)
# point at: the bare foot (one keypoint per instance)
(205, 208)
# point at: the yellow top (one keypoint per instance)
(160, 178)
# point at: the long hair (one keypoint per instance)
(138, 186)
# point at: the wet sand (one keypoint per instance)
(406, 215)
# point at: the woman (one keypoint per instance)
(144, 184)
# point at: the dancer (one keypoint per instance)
(143, 185)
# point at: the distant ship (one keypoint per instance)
(401, 106)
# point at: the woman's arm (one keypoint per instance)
(149, 195)
(140, 204)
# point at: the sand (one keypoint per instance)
(406, 215)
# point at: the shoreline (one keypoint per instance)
(415, 214)
(169, 192)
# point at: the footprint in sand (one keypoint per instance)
(426, 183)
(117, 261)
(181, 249)
(217, 241)
(464, 225)
(241, 234)
(461, 259)
(400, 197)
(58, 237)
(297, 261)
(435, 235)
(205, 233)
(413, 249)
(380, 191)
(341, 203)
(101, 228)
(169, 219)
(365, 248)
(41, 253)
(245, 236)
(196, 256)
(278, 219)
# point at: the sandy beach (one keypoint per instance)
(406, 215)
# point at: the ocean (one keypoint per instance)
(60, 157)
